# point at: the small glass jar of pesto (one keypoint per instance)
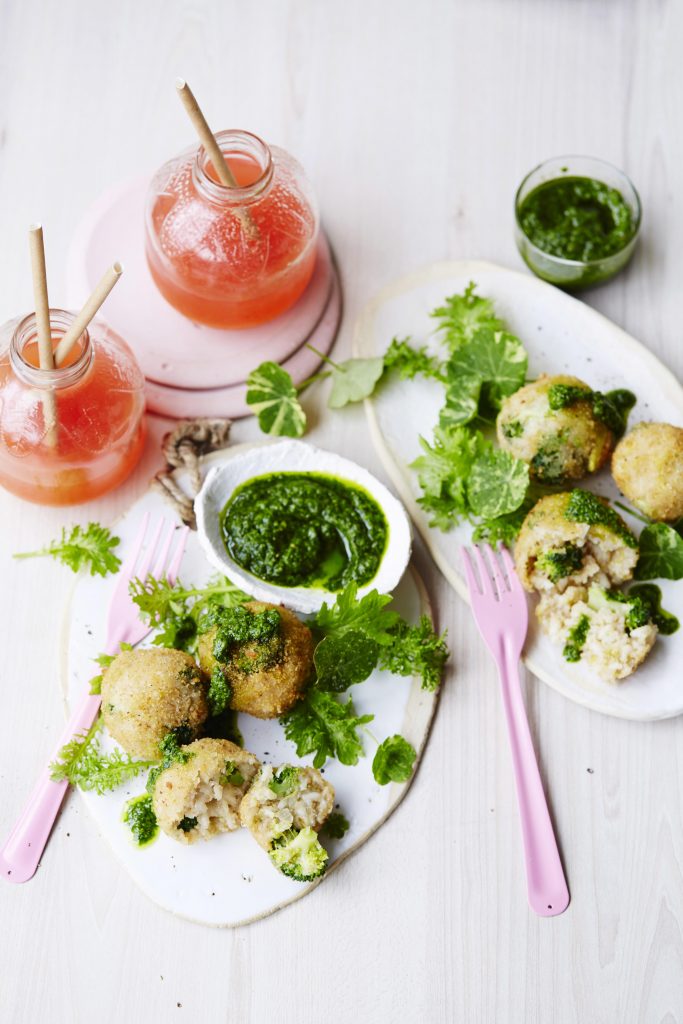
(577, 220)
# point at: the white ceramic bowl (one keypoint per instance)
(245, 463)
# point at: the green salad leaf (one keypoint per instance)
(497, 360)
(274, 399)
(411, 361)
(82, 763)
(176, 611)
(416, 651)
(661, 553)
(363, 634)
(443, 472)
(353, 380)
(498, 483)
(461, 317)
(393, 761)
(326, 727)
(462, 401)
(343, 659)
(90, 547)
(368, 615)
(104, 661)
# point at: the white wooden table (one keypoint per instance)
(415, 121)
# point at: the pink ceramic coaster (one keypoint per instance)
(191, 369)
(230, 401)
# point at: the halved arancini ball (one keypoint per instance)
(200, 798)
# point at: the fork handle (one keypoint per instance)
(20, 856)
(547, 887)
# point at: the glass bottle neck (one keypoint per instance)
(250, 161)
(23, 352)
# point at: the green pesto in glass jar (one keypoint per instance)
(305, 530)
(577, 218)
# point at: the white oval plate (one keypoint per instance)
(561, 335)
(240, 463)
(229, 880)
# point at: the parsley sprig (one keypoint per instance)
(176, 611)
(83, 763)
(90, 547)
(355, 636)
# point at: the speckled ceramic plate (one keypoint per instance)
(561, 335)
(229, 880)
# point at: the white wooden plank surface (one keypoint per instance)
(415, 121)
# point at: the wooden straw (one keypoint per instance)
(92, 305)
(44, 330)
(216, 155)
(206, 136)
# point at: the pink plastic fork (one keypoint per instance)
(20, 856)
(501, 614)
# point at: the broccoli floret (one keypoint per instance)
(285, 781)
(573, 649)
(513, 428)
(299, 855)
(636, 609)
(231, 775)
(558, 564)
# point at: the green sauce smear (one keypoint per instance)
(585, 507)
(573, 649)
(141, 819)
(577, 218)
(649, 597)
(239, 627)
(305, 530)
(611, 408)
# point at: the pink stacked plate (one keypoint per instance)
(190, 369)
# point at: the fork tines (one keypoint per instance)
(490, 578)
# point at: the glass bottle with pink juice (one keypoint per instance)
(231, 255)
(69, 434)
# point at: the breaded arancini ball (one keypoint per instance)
(560, 444)
(148, 693)
(283, 798)
(270, 690)
(555, 549)
(647, 467)
(200, 797)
